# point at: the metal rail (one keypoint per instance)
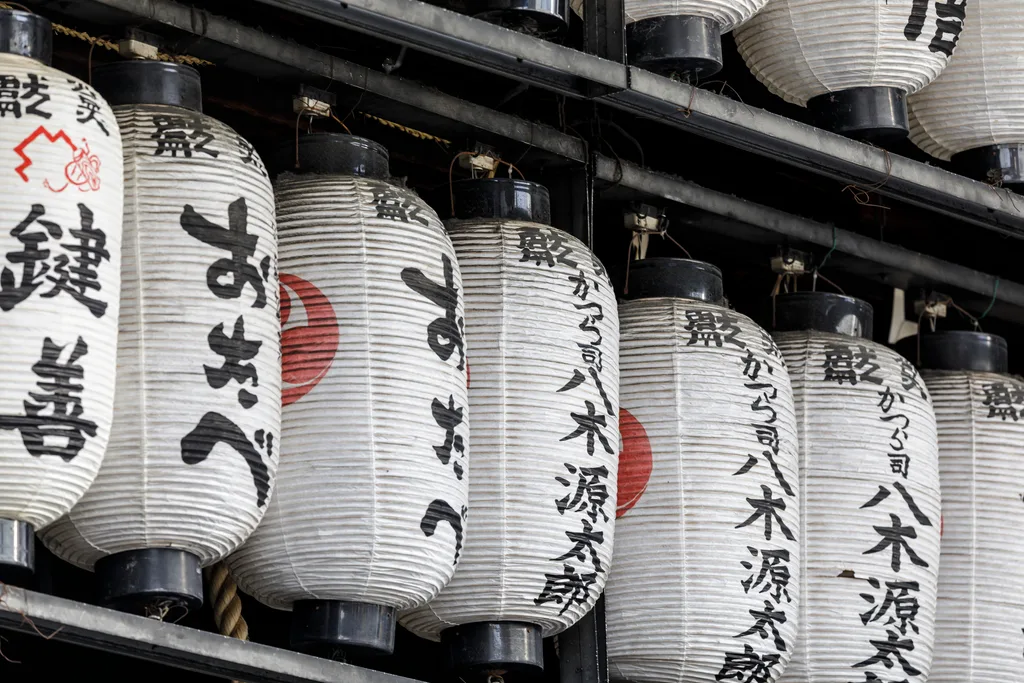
(555, 67)
(177, 646)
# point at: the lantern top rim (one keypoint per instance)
(143, 81)
(26, 34)
(676, 278)
(964, 350)
(501, 199)
(824, 312)
(334, 154)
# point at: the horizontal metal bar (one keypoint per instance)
(719, 118)
(898, 259)
(464, 39)
(232, 34)
(177, 646)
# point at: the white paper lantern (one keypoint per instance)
(852, 62)
(976, 108)
(683, 36)
(707, 553)
(368, 514)
(979, 410)
(542, 331)
(194, 446)
(870, 491)
(61, 196)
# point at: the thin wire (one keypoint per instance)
(995, 290)
(340, 123)
(834, 242)
(298, 119)
(629, 257)
(451, 183)
(664, 234)
(831, 283)
(92, 46)
(513, 167)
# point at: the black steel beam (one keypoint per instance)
(893, 258)
(582, 649)
(177, 646)
(719, 118)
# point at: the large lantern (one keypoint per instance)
(870, 491)
(194, 443)
(368, 514)
(61, 194)
(707, 548)
(974, 112)
(683, 36)
(979, 409)
(852, 62)
(542, 332)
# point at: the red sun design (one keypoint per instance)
(307, 351)
(635, 462)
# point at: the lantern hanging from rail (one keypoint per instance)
(707, 549)
(542, 333)
(542, 18)
(368, 515)
(194, 443)
(61, 197)
(978, 407)
(852, 62)
(870, 492)
(974, 112)
(683, 36)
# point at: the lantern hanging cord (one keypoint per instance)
(222, 592)
(341, 123)
(664, 235)
(995, 291)
(451, 182)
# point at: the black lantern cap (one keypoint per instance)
(964, 350)
(17, 551)
(547, 18)
(503, 199)
(148, 581)
(1001, 165)
(676, 44)
(824, 312)
(147, 82)
(873, 114)
(334, 154)
(495, 647)
(26, 34)
(334, 628)
(674, 277)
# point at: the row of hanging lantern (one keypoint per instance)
(946, 71)
(778, 498)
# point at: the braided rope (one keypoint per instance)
(227, 606)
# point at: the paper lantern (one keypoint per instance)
(542, 333)
(852, 62)
(707, 557)
(683, 36)
(61, 196)
(368, 515)
(974, 113)
(194, 444)
(978, 408)
(870, 492)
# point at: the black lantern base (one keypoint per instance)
(964, 350)
(872, 114)
(824, 312)
(545, 18)
(152, 581)
(25, 34)
(17, 551)
(332, 628)
(495, 647)
(674, 277)
(676, 44)
(997, 164)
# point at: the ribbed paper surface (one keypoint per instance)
(978, 634)
(194, 443)
(979, 99)
(728, 13)
(695, 568)
(542, 330)
(804, 48)
(61, 193)
(871, 534)
(372, 489)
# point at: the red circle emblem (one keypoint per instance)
(308, 349)
(635, 462)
